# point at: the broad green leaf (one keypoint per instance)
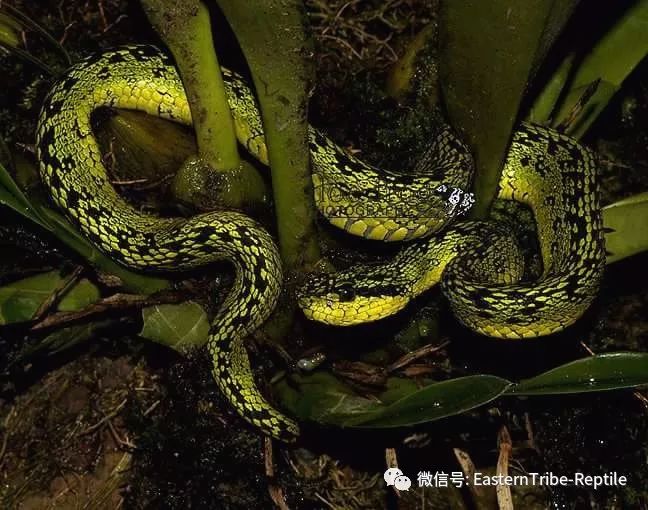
(144, 146)
(435, 401)
(84, 293)
(321, 397)
(181, 327)
(627, 224)
(488, 53)
(601, 372)
(21, 299)
(614, 56)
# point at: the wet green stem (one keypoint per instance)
(185, 28)
(272, 36)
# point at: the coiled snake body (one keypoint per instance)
(544, 168)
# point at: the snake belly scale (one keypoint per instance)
(479, 277)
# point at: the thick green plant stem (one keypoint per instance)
(185, 28)
(488, 52)
(272, 36)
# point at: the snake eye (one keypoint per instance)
(346, 291)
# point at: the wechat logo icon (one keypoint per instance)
(395, 477)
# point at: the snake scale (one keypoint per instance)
(478, 264)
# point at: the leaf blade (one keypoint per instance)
(602, 372)
(180, 326)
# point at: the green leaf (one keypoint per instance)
(132, 280)
(488, 53)
(545, 102)
(84, 293)
(614, 56)
(626, 222)
(436, 401)
(21, 299)
(38, 212)
(181, 327)
(12, 196)
(323, 398)
(609, 371)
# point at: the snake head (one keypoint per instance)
(351, 297)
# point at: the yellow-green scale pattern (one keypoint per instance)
(71, 166)
(142, 78)
(480, 264)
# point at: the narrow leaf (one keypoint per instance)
(12, 196)
(626, 222)
(436, 401)
(322, 397)
(602, 372)
(618, 50)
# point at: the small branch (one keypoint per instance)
(109, 304)
(410, 357)
(7, 433)
(106, 418)
(479, 495)
(570, 119)
(54, 298)
(391, 461)
(503, 491)
(276, 493)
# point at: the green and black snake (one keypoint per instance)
(478, 264)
